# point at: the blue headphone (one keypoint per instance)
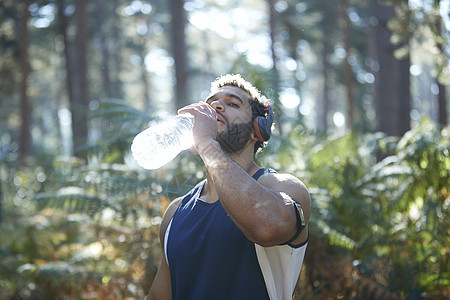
(263, 125)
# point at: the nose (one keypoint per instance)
(218, 106)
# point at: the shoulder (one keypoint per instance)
(168, 214)
(289, 185)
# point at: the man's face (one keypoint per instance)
(234, 117)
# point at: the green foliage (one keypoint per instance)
(422, 23)
(94, 227)
(393, 211)
(390, 211)
(86, 229)
(74, 228)
(424, 204)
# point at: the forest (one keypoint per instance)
(359, 91)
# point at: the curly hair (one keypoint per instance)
(258, 101)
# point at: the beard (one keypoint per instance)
(235, 137)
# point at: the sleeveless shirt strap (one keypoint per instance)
(263, 171)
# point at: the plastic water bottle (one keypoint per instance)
(159, 144)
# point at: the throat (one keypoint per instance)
(207, 200)
(208, 193)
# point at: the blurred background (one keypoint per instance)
(360, 93)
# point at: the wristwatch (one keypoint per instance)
(300, 217)
(301, 224)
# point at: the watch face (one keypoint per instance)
(300, 212)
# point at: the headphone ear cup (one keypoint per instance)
(263, 126)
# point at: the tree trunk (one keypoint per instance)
(348, 74)
(142, 50)
(404, 88)
(292, 46)
(274, 71)
(100, 19)
(25, 107)
(80, 104)
(1, 198)
(393, 85)
(115, 53)
(3, 153)
(179, 50)
(371, 43)
(404, 95)
(145, 79)
(442, 98)
(67, 47)
(207, 69)
(386, 101)
(442, 102)
(323, 109)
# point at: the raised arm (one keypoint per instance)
(263, 210)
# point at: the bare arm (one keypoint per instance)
(295, 189)
(161, 288)
(264, 209)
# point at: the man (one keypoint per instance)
(242, 232)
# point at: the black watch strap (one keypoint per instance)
(300, 223)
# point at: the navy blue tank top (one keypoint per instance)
(208, 256)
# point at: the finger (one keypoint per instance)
(193, 151)
(186, 107)
(207, 107)
(198, 108)
(187, 110)
(193, 106)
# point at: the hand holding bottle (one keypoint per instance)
(205, 126)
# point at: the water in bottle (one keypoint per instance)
(159, 144)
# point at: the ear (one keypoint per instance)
(253, 137)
